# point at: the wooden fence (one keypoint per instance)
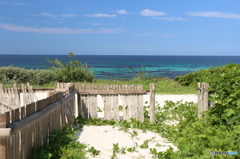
(130, 95)
(13, 98)
(31, 125)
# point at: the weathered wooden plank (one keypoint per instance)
(30, 139)
(17, 114)
(12, 115)
(125, 104)
(106, 103)
(200, 99)
(140, 106)
(23, 143)
(3, 147)
(3, 120)
(48, 101)
(45, 131)
(93, 106)
(8, 148)
(8, 118)
(5, 132)
(205, 96)
(23, 112)
(13, 150)
(26, 143)
(28, 108)
(152, 103)
(69, 116)
(16, 142)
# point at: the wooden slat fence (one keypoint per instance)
(13, 98)
(30, 126)
(130, 95)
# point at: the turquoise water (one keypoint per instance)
(110, 66)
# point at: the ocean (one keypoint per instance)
(115, 66)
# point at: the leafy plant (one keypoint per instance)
(145, 144)
(61, 145)
(116, 149)
(94, 151)
(139, 74)
(120, 108)
(74, 71)
(226, 109)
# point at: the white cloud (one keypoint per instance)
(95, 23)
(215, 15)
(15, 4)
(48, 15)
(172, 19)
(122, 11)
(19, 4)
(147, 12)
(10, 27)
(101, 15)
(62, 15)
(68, 15)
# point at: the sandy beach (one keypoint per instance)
(103, 137)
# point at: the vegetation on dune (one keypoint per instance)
(194, 137)
(74, 71)
(209, 75)
(218, 130)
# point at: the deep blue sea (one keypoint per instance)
(114, 66)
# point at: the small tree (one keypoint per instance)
(74, 71)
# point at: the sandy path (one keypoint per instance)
(103, 137)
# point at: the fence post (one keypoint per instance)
(202, 98)
(152, 103)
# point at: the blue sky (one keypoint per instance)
(120, 27)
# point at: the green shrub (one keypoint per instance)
(41, 77)
(210, 75)
(226, 110)
(61, 145)
(74, 71)
(14, 74)
(10, 75)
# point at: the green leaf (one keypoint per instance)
(233, 119)
(229, 112)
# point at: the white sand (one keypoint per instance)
(103, 137)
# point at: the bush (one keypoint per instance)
(41, 77)
(226, 110)
(74, 71)
(12, 74)
(210, 75)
